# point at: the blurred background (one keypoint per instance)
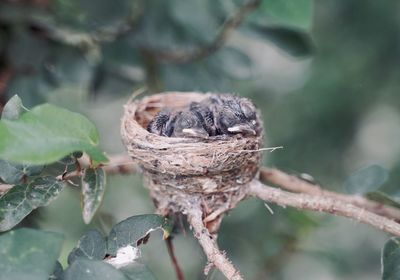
(325, 75)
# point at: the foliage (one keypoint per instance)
(390, 259)
(28, 253)
(22, 199)
(47, 133)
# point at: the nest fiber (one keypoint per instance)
(214, 171)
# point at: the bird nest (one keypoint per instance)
(214, 171)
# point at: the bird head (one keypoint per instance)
(189, 124)
(238, 115)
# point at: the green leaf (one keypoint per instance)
(383, 198)
(12, 173)
(46, 134)
(18, 202)
(137, 271)
(84, 269)
(13, 109)
(295, 42)
(92, 246)
(391, 259)
(286, 13)
(365, 180)
(134, 230)
(93, 188)
(28, 254)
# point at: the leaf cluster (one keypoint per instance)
(32, 254)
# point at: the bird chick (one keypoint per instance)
(206, 115)
(233, 114)
(162, 124)
(189, 123)
(222, 114)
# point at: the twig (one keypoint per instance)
(321, 203)
(123, 164)
(230, 24)
(295, 184)
(68, 176)
(120, 164)
(175, 264)
(209, 245)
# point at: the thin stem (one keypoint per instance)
(321, 203)
(175, 264)
(209, 244)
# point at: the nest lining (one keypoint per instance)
(177, 169)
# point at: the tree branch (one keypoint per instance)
(209, 244)
(117, 164)
(230, 24)
(123, 164)
(295, 184)
(322, 203)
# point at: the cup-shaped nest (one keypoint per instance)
(214, 170)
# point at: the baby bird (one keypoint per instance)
(162, 124)
(189, 123)
(204, 112)
(233, 114)
(223, 114)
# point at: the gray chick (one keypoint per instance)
(206, 115)
(233, 114)
(162, 124)
(189, 123)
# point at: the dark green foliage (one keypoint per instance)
(12, 173)
(135, 231)
(22, 199)
(32, 254)
(28, 254)
(92, 246)
(92, 270)
(391, 259)
(138, 271)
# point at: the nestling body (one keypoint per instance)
(216, 115)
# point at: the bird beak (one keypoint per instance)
(242, 128)
(193, 132)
